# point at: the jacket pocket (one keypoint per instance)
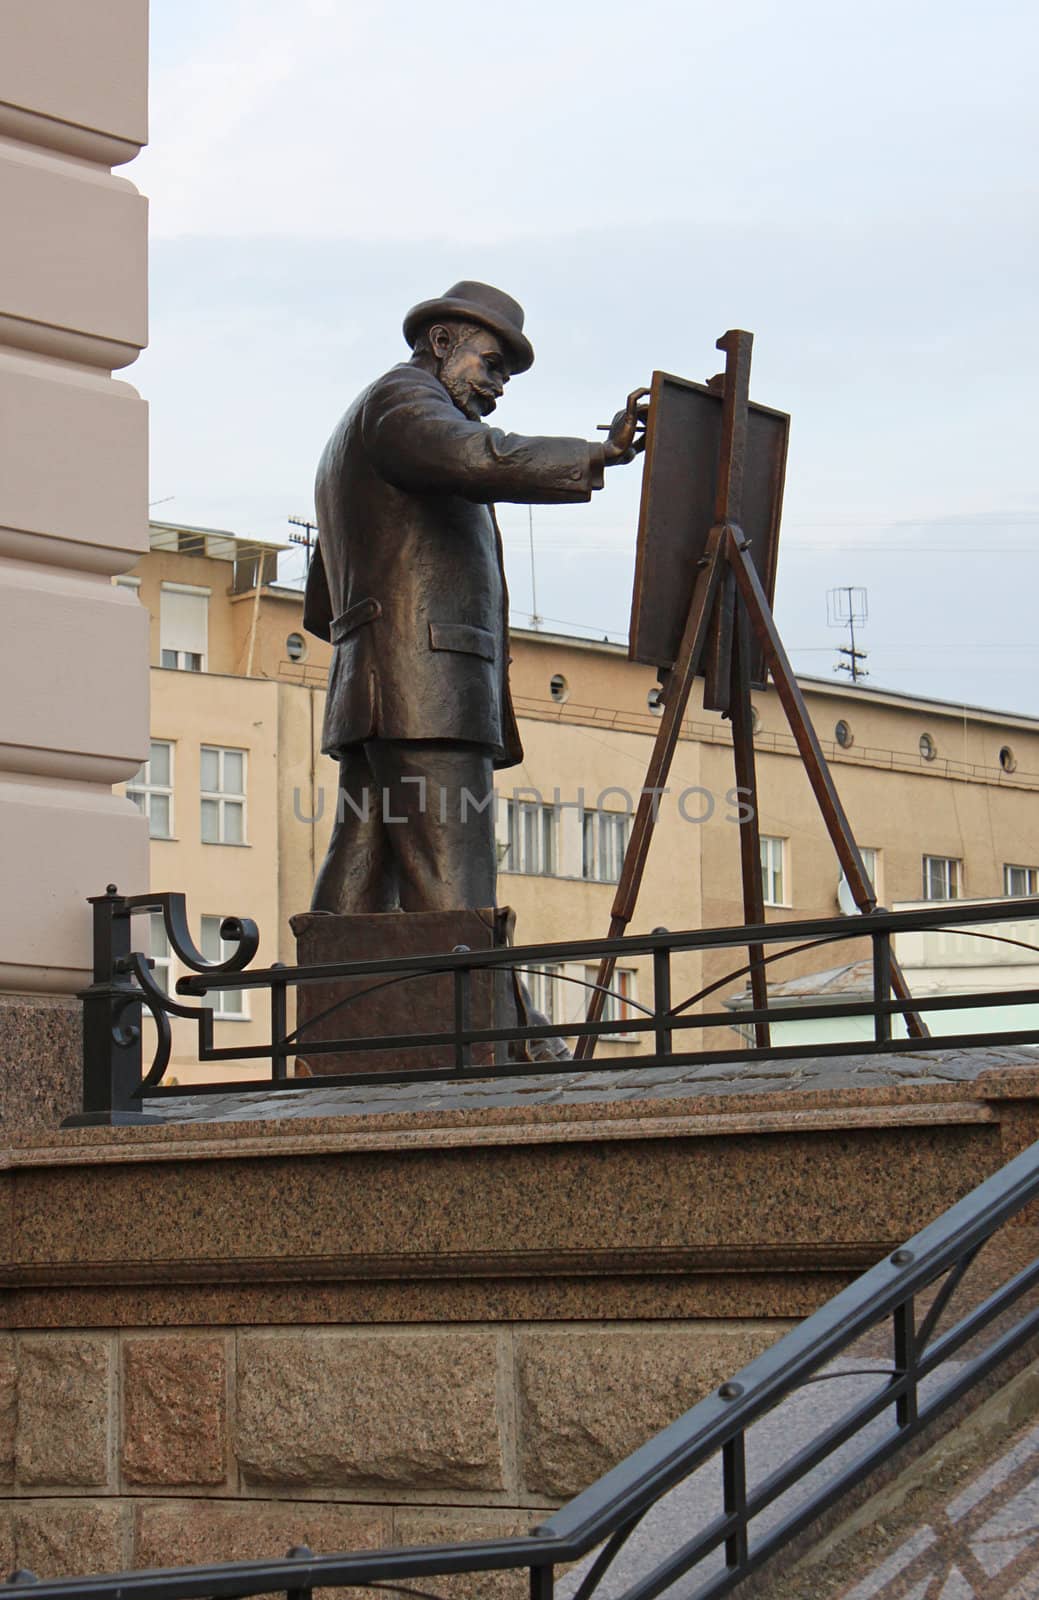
(464, 637)
(348, 621)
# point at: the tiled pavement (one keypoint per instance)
(578, 1087)
(982, 1545)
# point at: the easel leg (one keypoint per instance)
(684, 672)
(819, 776)
(741, 712)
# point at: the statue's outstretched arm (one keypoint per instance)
(419, 441)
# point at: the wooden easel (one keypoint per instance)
(728, 607)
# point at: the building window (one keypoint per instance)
(296, 647)
(223, 795)
(1007, 759)
(943, 877)
(1020, 881)
(773, 875)
(151, 789)
(532, 835)
(655, 700)
(183, 627)
(843, 734)
(227, 1004)
(162, 958)
(558, 688)
(183, 660)
(544, 987)
(619, 1003)
(604, 839)
(928, 748)
(871, 862)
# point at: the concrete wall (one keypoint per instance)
(73, 505)
(266, 627)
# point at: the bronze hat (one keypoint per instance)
(476, 302)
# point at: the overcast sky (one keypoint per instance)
(856, 185)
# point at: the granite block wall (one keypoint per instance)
(129, 1448)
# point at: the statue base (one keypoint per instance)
(370, 1007)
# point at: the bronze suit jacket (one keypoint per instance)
(407, 579)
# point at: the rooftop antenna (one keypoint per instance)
(845, 607)
(535, 620)
(305, 537)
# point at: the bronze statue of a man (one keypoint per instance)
(408, 584)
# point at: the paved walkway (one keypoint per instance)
(982, 1544)
(580, 1087)
(950, 1535)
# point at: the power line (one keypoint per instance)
(914, 550)
(924, 522)
(576, 544)
(600, 629)
(930, 650)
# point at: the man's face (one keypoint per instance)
(474, 371)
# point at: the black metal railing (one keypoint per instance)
(923, 1376)
(115, 1083)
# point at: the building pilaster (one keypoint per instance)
(73, 505)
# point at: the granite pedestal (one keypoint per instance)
(427, 1318)
(377, 1006)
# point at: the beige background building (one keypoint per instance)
(241, 800)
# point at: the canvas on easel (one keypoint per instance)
(677, 510)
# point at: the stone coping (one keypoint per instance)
(585, 1086)
(657, 1199)
(639, 1103)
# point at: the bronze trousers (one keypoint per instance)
(414, 829)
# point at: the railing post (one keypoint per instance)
(734, 1498)
(111, 1022)
(881, 985)
(662, 998)
(542, 1583)
(904, 1317)
(279, 1028)
(462, 976)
